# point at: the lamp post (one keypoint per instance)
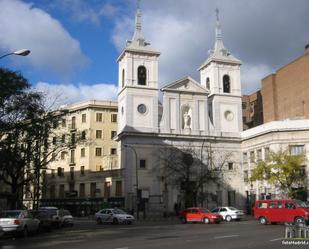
(22, 52)
(136, 177)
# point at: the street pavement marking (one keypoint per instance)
(276, 239)
(122, 248)
(227, 236)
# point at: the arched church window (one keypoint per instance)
(208, 83)
(141, 75)
(226, 84)
(122, 80)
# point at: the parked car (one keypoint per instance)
(286, 210)
(229, 213)
(198, 214)
(53, 212)
(114, 216)
(66, 218)
(46, 220)
(18, 222)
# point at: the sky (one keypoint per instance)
(75, 43)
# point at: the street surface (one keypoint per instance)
(86, 234)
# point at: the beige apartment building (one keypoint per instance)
(86, 176)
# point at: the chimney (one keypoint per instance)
(307, 49)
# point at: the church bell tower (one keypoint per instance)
(138, 83)
(220, 74)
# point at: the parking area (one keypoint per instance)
(154, 234)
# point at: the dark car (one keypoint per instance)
(46, 220)
(198, 214)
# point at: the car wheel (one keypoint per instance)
(99, 221)
(263, 220)
(206, 221)
(228, 218)
(183, 220)
(299, 220)
(115, 221)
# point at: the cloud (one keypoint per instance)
(257, 32)
(62, 94)
(52, 47)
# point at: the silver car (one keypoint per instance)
(114, 216)
(18, 222)
(229, 213)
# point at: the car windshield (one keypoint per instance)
(300, 203)
(10, 214)
(232, 208)
(205, 211)
(119, 211)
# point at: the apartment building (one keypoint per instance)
(252, 109)
(86, 176)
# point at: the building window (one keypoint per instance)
(82, 152)
(302, 170)
(53, 173)
(53, 157)
(244, 105)
(72, 158)
(63, 139)
(73, 123)
(98, 151)
(63, 123)
(142, 164)
(82, 190)
(98, 134)
(99, 117)
(230, 166)
(60, 171)
(252, 157)
(141, 75)
(107, 189)
(83, 136)
(122, 79)
(246, 176)
(99, 167)
(297, 149)
(245, 157)
(82, 170)
(231, 198)
(71, 173)
(118, 188)
(93, 188)
(226, 84)
(113, 134)
(84, 118)
(54, 140)
(73, 138)
(61, 191)
(113, 151)
(207, 83)
(114, 118)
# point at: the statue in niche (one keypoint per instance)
(187, 118)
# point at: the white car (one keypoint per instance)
(66, 217)
(18, 222)
(114, 216)
(229, 213)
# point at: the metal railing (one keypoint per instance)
(296, 231)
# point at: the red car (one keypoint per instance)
(281, 211)
(198, 214)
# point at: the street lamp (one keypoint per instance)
(136, 177)
(22, 52)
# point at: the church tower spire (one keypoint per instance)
(138, 35)
(219, 47)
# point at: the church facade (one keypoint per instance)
(201, 118)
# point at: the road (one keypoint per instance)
(152, 235)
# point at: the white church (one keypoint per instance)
(203, 116)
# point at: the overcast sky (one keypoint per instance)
(75, 43)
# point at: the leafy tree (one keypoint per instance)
(29, 140)
(283, 170)
(189, 172)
